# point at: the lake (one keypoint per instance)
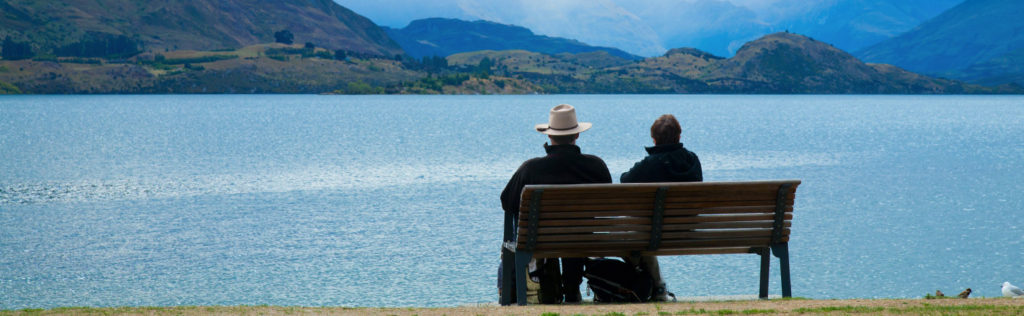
(393, 200)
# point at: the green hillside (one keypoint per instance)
(90, 27)
(776, 63)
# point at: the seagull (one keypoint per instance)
(965, 293)
(1012, 291)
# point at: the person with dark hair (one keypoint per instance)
(563, 164)
(667, 161)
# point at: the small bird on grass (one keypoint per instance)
(1012, 291)
(938, 293)
(965, 293)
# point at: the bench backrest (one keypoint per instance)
(654, 218)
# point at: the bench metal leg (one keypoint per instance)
(781, 251)
(522, 262)
(507, 276)
(765, 262)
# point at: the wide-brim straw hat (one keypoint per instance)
(562, 121)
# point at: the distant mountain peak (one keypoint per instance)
(443, 37)
(788, 63)
(691, 51)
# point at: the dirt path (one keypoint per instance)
(975, 306)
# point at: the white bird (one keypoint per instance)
(1012, 291)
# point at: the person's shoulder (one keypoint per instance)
(531, 161)
(593, 158)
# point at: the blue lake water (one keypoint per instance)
(393, 200)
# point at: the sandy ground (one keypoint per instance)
(973, 306)
(744, 307)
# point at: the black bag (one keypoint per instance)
(614, 281)
(550, 289)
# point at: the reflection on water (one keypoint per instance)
(340, 177)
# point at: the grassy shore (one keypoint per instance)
(974, 306)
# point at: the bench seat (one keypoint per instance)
(649, 219)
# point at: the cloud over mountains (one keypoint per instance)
(650, 27)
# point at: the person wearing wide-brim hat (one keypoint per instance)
(563, 164)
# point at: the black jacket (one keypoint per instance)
(564, 164)
(665, 163)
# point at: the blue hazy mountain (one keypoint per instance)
(648, 28)
(443, 37)
(721, 27)
(977, 40)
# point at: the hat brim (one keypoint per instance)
(546, 129)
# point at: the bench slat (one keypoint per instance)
(673, 252)
(588, 229)
(592, 222)
(647, 221)
(553, 198)
(724, 210)
(640, 236)
(651, 187)
(699, 251)
(764, 209)
(623, 236)
(722, 218)
(723, 225)
(666, 228)
(642, 245)
(650, 205)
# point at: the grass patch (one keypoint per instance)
(842, 309)
(963, 310)
(197, 60)
(7, 88)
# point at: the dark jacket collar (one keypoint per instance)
(664, 148)
(561, 149)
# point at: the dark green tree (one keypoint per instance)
(13, 50)
(484, 67)
(284, 37)
(100, 45)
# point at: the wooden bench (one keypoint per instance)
(659, 219)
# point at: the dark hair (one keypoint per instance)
(666, 130)
(562, 139)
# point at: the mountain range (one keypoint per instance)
(231, 46)
(443, 37)
(779, 63)
(648, 28)
(979, 40)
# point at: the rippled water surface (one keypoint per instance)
(393, 200)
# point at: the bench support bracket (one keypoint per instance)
(762, 292)
(781, 251)
(657, 219)
(522, 261)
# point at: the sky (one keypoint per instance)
(651, 27)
